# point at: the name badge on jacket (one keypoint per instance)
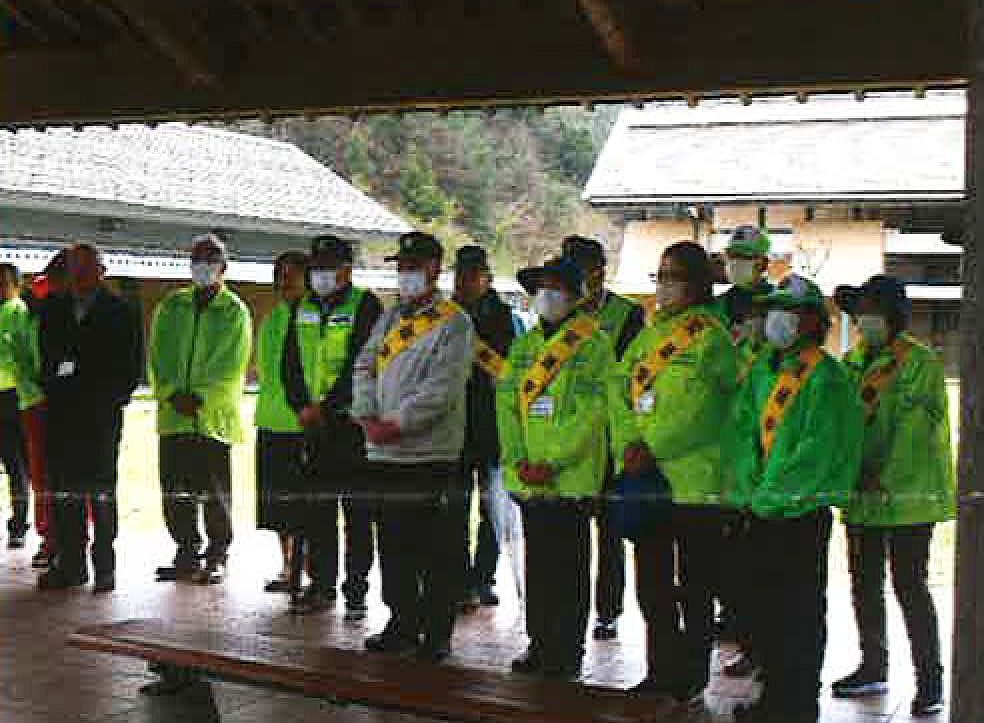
(645, 403)
(542, 406)
(65, 369)
(340, 320)
(308, 317)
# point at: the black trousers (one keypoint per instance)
(195, 470)
(12, 455)
(479, 571)
(907, 548)
(786, 608)
(676, 568)
(558, 585)
(610, 581)
(418, 547)
(82, 464)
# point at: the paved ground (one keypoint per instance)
(41, 681)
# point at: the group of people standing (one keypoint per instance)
(717, 438)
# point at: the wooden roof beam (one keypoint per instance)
(305, 22)
(255, 20)
(22, 19)
(189, 61)
(611, 31)
(63, 16)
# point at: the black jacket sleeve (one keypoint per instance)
(633, 325)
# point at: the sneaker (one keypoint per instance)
(391, 640)
(434, 652)
(16, 541)
(861, 683)
(312, 600)
(355, 610)
(41, 559)
(605, 630)
(528, 663)
(929, 699)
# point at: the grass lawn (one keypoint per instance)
(140, 505)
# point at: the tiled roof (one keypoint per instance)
(178, 170)
(888, 147)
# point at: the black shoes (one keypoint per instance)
(532, 663)
(355, 610)
(16, 541)
(605, 629)
(314, 599)
(929, 697)
(41, 559)
(391, 640)
(862, 683)
(528, 663)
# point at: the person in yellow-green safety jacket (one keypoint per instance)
(15, 327)
(793, 445)
(621, 318)
(199, 349)
(906, 486)
(317, 338)
(668, 397)
(746, 261)
(551, 412)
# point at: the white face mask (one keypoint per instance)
(742, 272)
(324, 282)
(205, 274)
(782, 328)
(670, 293)
(873, 328)
(551, 304)
(412, 284)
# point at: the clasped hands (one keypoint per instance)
(379, 431)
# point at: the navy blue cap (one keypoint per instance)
(887, 292)
(333, 247)
(471, 257)
(583, 251)
(417, 245)
(563, 268)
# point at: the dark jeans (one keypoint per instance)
(907, 548)
(12, 455)
(195, 470)
(676, 568)
(558, 584)
(418, 547)
(82, 465)
(610, 582)
(479, 572)
(785, 605)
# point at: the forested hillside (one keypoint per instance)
(509, 180)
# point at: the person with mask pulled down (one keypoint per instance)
(409, 397)
(746, 262)
(906, 486)
(668, 397)
(552, 411)
(793, 442)
(621, 319)
(199, 348)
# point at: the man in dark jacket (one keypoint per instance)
(494, 329)
(91, 352)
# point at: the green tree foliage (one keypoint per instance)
(511, 180)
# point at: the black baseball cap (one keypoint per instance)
(570, 274)
(587, 253)
(471, 257)
(887, 292)
(417, 245)
(332, 248)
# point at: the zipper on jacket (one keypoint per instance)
(191, 355)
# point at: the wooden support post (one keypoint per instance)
(968, 635)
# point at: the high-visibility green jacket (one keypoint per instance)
(572, 439)
(816, 451)
(907, 446)
(323, 344)
(734, 306)
(681, 422)
(19, 361)
(203, 351)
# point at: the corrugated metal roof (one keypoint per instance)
(889, 147)
(188, 172)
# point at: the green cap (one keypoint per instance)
(795, 291)
(750, 241)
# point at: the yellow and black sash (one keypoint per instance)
(562, 347)
(656, 360)
(412, 328)
(875, 380)
(491, 361)
(786, 388)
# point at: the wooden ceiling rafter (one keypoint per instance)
(305, 22)
(189, 61)
(64, 18)
(254, 18)
(611, 30)
(22, 19)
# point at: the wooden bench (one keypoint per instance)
(182, 655)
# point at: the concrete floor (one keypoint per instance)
(42, 681)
